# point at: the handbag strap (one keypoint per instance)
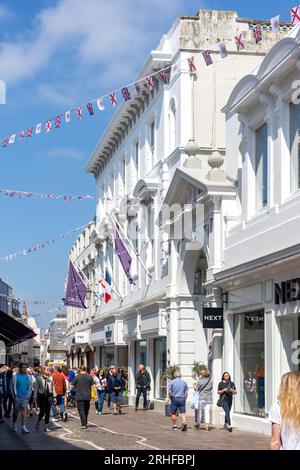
(203, 388)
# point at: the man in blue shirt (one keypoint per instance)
(178, 392)
(22, 387)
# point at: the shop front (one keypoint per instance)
(110, 347)
(261, 339)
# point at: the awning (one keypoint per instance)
(12, 331)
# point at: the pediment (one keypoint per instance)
(181, 187)
(276, 55)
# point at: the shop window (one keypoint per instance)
(249, 370)
(261, 166)
(140, 353)
(160, 369)
(200, 275)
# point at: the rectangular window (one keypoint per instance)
(160, 372)
(295, 146)
(152, 136)
(249, 333)
(136, 157)
(261, 166)
(140, 353)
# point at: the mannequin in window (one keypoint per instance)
(260, 375)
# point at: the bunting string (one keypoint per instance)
(41, 245)
(134, 89)
(25, 194)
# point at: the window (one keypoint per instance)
(150, 232)
(152, 136)
(200, 275)
(123, 172)
(160, 368)
(172, 126)
(295, 146)
(249, 363)
(261, 166)
(136, 157)
(140, 353)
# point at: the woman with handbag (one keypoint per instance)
(226, 389)
(204, 388)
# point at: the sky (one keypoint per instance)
(54, 56)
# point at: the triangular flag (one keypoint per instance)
(100, 104)
(223, 50)
(68, 116)
(38, 128)
(275, 24)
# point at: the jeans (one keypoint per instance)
(261, 392)
(139, 392)
(7, 405)
(1, 400)
(108, 399)
(99, 403)
(83, 410)
(60, 404)
(227, 404)
(45, 407)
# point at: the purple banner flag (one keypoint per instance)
(76, 289)
(123, 255)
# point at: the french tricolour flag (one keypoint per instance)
(106, 286)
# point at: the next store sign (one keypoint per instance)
(287, 291)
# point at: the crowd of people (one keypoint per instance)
(54, 389)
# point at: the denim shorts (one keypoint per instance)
(177, 404)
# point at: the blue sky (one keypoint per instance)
(54, 55)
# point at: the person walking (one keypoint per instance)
(46, 395)
(60, 388)
(22, 387)
(8, 398)
(108, 396)
(100, 382)
(204, 387)
(115, 384)
(3, 371)
(285, 414)
(82, 385)
(143, 382)
(226, 390)
(178, 392)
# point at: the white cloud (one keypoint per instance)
(62, 152)
(92, 32)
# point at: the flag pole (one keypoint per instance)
(85, 278)
(130, 244)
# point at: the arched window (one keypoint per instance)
(200, 275)
(172, 126)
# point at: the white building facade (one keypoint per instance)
(261, 264)
(142, 164)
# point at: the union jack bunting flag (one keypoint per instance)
(79, 112)
(125, 93)
(57, 122)
(257, 33)
(22, 135)
(192, 66)
(164, 75)
(5, 142)
(149, 83)
(29, 132)
(207, 57)
(295, 15)
(48, 126)
(90, 108)
(113, 98)
(239, 43)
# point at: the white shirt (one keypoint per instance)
(290, 439)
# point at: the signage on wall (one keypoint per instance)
(255, 320)
(81, 337)
(108, 334)
(212, 317)
(287, 291)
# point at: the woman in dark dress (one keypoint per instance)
(226, 389)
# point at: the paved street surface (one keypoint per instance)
(132, 431)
